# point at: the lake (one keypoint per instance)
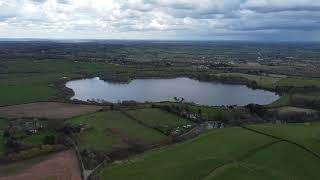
(156, 90)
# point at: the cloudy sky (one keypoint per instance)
(161, 19)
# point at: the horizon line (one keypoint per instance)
(3, 39)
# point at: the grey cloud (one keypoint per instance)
(184, 18)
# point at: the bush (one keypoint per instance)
(257, 109)
(49, 139)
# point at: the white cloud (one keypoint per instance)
(182, 19)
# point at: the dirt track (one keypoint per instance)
(50, 110)
(61, 166)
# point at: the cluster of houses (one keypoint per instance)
(214, 125)
(179, 130)
(187, 126)
(190, 115)
(31, 126)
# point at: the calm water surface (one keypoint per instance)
(155, 90)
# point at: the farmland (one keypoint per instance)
(159, 119)
(63, 165)
(306, 134)
(109, 131)
(213, 156)
(49, 110)
(299, 81)
(280, 161)
(269, 81)
(41, 128)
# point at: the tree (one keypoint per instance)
(257, 109)
(6, 134)
(49, 139)
(200, 112)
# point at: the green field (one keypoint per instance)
(290, 109)
(21, 88)
(108, 131)
(231, 153)
(271, 81)
(287, 100)
(159, 119)
(313, 96)
(282, 101)
(209, 113)
(30, 81)
(280, 161)
(306, 134)
(194, 159)
(34, 139)
(268, 81)
(299, 82)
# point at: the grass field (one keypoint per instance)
(313, 96)
(299, 82)
(290, 109)
(287, 100)
(209, 113)
(35, 139)
(194, 159)
(306, 134)
(159, 119)
(108, 131)
(271, 81)
(277, 162)
(282, 101)
(231, 153)
(25, 88)
(263, 81)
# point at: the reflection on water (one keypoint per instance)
(155, 90)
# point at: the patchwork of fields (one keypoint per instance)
(160, 120)
(112, 130)
(270, 81)
(264, 151)
(232, 153)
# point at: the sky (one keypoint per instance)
(264, 20)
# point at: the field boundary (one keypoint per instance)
(284, 140)
(242, 157)
(139, 122)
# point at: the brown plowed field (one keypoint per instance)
(61, 166)
(50, 110)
